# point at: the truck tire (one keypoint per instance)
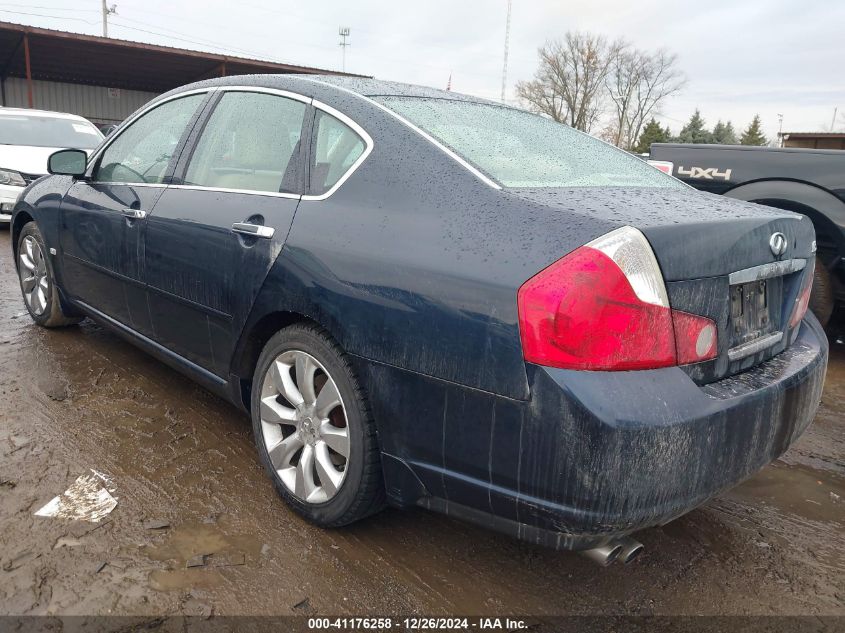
(822, 299)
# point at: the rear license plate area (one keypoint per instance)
(755, 309)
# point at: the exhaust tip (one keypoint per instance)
(604, 555)
(630, 549)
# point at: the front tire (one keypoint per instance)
(313, 428)
(38, 284)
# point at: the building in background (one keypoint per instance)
(105, 79)
(814, 140)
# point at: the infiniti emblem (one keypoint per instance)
(778, 244)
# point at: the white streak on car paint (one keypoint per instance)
(85, 500)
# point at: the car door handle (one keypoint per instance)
(253, 230)
(134, 214)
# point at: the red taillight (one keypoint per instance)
(695, 337)
(802, 302)
(663, 165)
(604, 307)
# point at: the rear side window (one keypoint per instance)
(335, 150)
(250, 143)
(143, 150)
(520, 149)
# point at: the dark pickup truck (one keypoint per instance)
(806, 181)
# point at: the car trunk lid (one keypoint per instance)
(740, 264)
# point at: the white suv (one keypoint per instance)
(27, 138)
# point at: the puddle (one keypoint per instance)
(812, 494)
(175, 579)
(184, 545)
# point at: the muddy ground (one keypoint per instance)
(188, 483)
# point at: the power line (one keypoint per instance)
(220, 49)
(41, 15)
(32, 6)
(182, 37)
(118, 20)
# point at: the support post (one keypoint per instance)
(28, 69)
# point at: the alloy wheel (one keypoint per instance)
(304, 426)
(32, 269)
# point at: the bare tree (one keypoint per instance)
(637, 82)
(569, 85)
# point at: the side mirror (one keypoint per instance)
(68, 162)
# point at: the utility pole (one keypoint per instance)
(507, 41)
(344, 33)
(833, 122)
(106, 12)
(780, 129)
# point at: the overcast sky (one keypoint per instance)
(740, 57)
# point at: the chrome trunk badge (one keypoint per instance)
(778, 244)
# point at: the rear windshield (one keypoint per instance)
(47, 131)
(520, 149)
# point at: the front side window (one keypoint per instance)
(336, 148)
(251, 143)
(520, 149)
(35, 130)
(143, 150)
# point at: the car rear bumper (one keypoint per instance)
(603, 454)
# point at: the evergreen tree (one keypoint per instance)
(724, 134)
(694, 131)
(652, 133)
(753, 135)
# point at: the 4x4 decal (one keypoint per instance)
(704, 173)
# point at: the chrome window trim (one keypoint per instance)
(368, 142)
(461, 161)
(125, 126)
(752, 347)
(766, 271)
(271, 91)
(124, 184)
(253, 192)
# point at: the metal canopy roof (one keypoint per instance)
(102, 61)
(797, 135)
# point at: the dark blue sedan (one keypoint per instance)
(423, 298)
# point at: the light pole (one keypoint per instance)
(507, 45)
(106, 12)
(344, 33)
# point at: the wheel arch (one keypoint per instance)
(252, 341)
(21, 219)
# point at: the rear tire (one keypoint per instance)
(37, 282)
(822, 299)
(308, 440)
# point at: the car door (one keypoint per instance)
(215, 233)
(103, 215)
